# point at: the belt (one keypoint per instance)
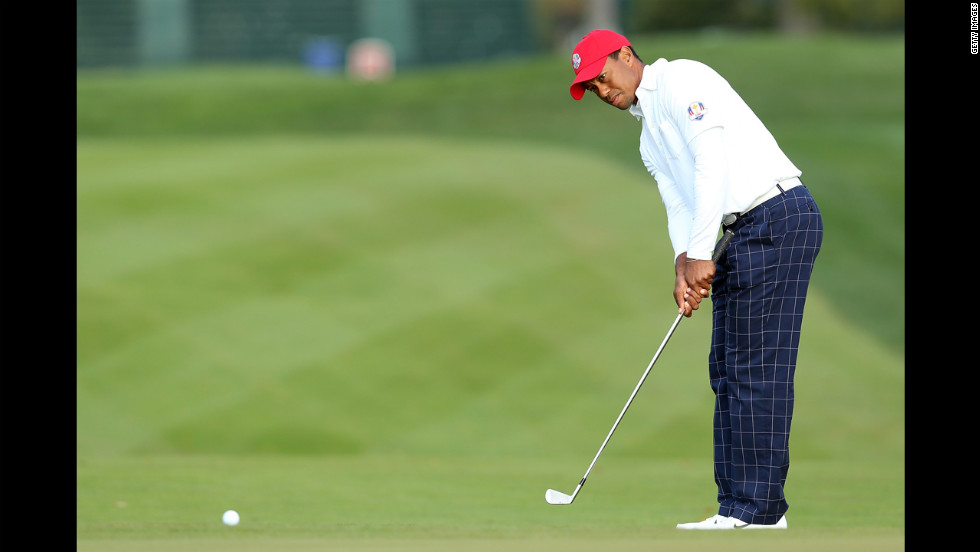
(780, 187)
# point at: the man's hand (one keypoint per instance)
(693, 283)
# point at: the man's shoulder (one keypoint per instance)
(687, 75)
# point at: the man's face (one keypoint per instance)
(616, 83)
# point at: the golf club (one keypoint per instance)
(556, 497)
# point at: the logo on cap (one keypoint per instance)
(576, 61)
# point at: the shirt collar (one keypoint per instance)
(648, 82)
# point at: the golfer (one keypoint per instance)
(716, 165)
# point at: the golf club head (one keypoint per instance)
(554, 497)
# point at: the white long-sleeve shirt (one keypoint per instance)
(709, 153)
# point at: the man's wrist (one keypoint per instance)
(679, 263)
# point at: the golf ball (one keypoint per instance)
(230, 518)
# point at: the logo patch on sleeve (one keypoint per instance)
(696, 111)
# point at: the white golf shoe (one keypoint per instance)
(712, 523)
(781, 524)
(717, 522)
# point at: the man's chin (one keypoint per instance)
(620, 103)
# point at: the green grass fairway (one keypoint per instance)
(836, 104)
(354, 340)
(419, 502)
(371, 318)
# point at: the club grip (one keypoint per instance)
(727, 237)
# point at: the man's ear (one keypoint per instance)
(626, 54)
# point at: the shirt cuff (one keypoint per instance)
(699, 255)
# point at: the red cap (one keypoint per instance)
(589, 57)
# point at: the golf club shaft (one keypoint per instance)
(630, 400)
(714, 257)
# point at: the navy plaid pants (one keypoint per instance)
(757, 297)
